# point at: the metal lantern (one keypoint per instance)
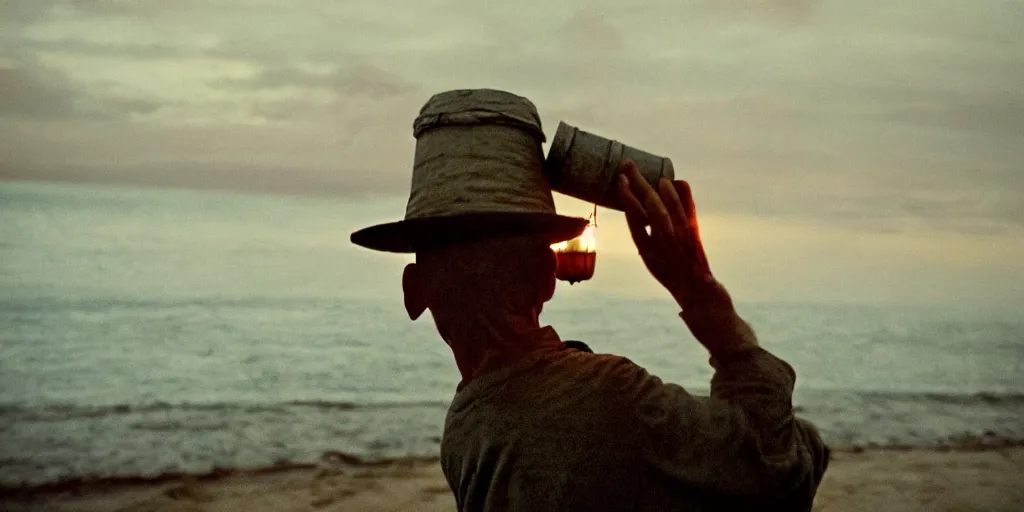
(584, 165)
(575, 259)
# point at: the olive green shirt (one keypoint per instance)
(565, 430)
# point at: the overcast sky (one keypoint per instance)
(841, 148)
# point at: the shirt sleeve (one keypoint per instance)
(743, 441)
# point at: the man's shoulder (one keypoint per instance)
(559, 379)
(556, 371)
(607, 374)
(589, 364)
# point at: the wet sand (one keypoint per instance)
(869, 480)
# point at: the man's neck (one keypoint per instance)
(481, 346)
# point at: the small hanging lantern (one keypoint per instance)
(575, 259)
(584, 165)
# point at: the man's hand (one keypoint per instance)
(672, 251)
(674, 255)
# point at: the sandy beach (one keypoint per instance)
(869, 480)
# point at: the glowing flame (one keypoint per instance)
(586, 242)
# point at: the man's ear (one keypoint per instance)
(415, 294)
(549, 271)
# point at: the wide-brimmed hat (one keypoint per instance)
(478, 172)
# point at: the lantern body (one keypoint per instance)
(575, 266)
(576, 258)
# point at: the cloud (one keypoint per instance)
(887, 116)
(790, 11)
(30, 91)
(997, 114)
(107, 8)
(356, 80)
(38, 92)
(345, 150)
(110, 49)
(987, 210)
(775, 12)
(306, 94)
(24, 11)
(256, 177)
(587, 31)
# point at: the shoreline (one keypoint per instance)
(985, 474)
(340, 459)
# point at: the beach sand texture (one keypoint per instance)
(871, 480)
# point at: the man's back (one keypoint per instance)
(541, 427)
(568, 430)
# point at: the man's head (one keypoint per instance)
(494, 278)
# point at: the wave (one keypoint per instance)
(1009, 398)
(70, 484)
(333, 459)
(64, 412)
(69, 444)
(108, 303)
(326, 460)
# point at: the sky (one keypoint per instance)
(838, 150)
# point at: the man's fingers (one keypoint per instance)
(685, 195)
(638, 231)
(657, 214)
(671, 200)
(683, 238)
(636, 217)
(631, 205)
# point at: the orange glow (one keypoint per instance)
(586, 242)
(575, 258)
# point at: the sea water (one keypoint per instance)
(152, 331)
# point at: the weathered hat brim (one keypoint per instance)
(412, 235)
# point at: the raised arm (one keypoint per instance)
(744, 440)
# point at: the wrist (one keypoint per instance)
(704, 294)
(720, 330)
(731, 353)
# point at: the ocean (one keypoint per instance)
(148, 331)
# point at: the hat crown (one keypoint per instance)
(478, 151)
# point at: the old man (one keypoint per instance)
(537, 424)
